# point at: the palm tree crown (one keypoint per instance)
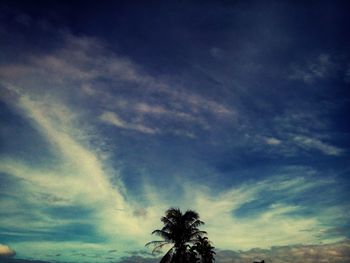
(180, 230)
(204, 249)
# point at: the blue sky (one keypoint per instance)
(112, 112)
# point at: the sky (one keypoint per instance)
(114, 111)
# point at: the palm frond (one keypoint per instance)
(167, 257)
(164, 234)
(155, 243)
(158, 245)
(173, 212)
(190, 215)
(198, 233)
(197, 223)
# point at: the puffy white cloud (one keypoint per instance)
(272, 141)
(6, 251)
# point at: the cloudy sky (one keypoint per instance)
(113, 111)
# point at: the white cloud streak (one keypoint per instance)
(313, 143)
(299, 131)
(79, 179)
(113, 119)
(280, 223)
(272, 141)
(318, 68)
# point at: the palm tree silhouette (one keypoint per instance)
(204, 249)
(180, 230)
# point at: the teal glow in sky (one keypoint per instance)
(112, 112)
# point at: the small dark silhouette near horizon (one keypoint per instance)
(189, 243)
(262, 261)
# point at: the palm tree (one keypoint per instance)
(180, 230)
(204, 249)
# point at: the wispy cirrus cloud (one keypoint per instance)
(81, 196)
(113, 119)
(82, 65)
(292, 144)
(79, 185)
(299, 131)
(260, 214)
(82, 182)
(318, 68)
(324, 66)
(312, 143)
(78, 181)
